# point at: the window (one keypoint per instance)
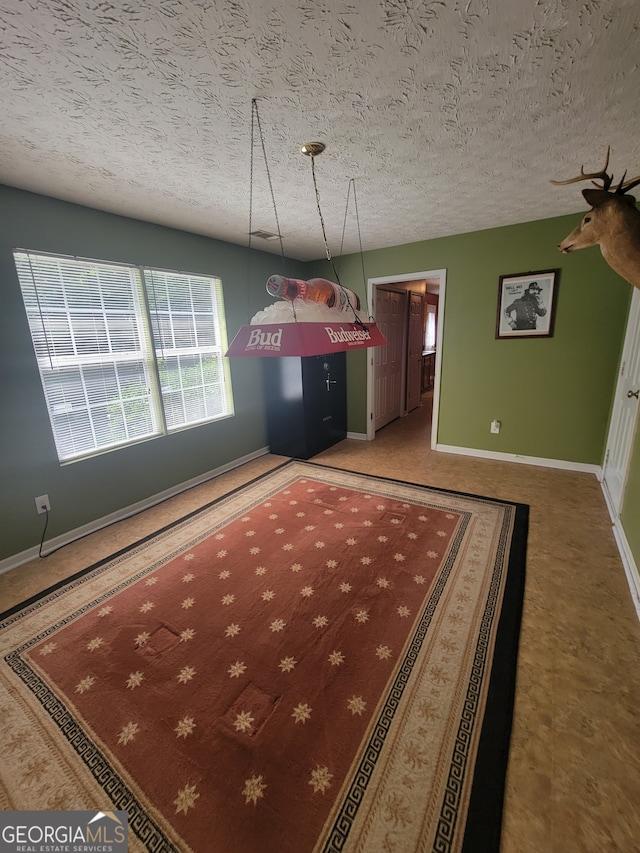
(125, 353)
(430, 328)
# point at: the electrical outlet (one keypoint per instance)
(42, 504)
(495, 427)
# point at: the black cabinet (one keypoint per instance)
(306, 402)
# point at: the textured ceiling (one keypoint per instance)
(450, 116)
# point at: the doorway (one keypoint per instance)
(392, 371)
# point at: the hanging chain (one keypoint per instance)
(364, 276)
(324, 233)
(256, 115)
(251, 176)
(249, 253)
(255, 119)
(266, 165)
(352, 182)
(346, 211)
(356, 319)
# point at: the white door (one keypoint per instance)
(624, 417)
(388, 360)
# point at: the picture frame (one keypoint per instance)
(527, 304)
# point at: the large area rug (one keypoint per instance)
(319, 661)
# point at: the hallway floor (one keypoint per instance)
(574, 773)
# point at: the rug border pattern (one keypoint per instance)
(351, 802)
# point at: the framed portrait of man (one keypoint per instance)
(527, 304)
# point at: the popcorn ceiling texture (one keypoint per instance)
(450, 116)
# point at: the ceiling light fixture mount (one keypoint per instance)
(312, 149)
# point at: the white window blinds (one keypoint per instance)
(124, 354)
(187, 317)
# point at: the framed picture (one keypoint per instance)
(527, 304)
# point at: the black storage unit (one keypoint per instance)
(306, 402)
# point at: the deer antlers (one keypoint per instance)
(602, 175)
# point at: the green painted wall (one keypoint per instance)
(553, 395)
(83, 491)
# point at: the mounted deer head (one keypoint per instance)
(613, 223)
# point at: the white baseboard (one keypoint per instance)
(630, 567)
(628, 561)
(525, 460)
(359, 436)
(133, 509)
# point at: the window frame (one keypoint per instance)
(200, 372)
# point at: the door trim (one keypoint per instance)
(630, 347)
(372, 283)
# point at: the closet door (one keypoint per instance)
(387, 368)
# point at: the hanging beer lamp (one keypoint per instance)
(314, 317)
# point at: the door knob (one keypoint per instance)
(635, 394)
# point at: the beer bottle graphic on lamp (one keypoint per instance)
(314, 290)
